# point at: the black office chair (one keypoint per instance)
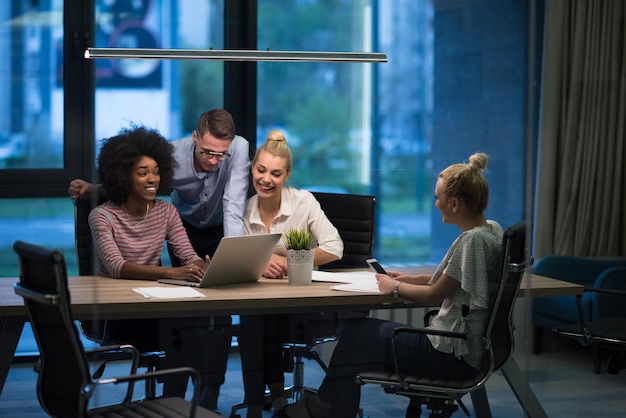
(100, 331)
(64, 384)
(354, 217)
(443, 397)
(607, 334)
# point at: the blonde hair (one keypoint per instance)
(467, 182)
(276, 144)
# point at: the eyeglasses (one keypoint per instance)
(208, 154)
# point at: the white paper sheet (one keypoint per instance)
(181, 292)
(365, 286)
(342, 276)
(353, 281)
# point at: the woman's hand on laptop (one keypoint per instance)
(194, 272)
(276, 268)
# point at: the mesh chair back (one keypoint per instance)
(354, 217)
(64, 384)
(85, 256)
(440, 395)
(82, 235)
(64, 371)
(515, 258)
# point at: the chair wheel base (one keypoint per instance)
(439, 408)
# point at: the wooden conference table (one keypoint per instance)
(105, 298)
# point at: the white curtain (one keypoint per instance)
(581, 180)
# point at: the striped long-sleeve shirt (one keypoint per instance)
(119, 238)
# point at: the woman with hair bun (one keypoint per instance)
(277, 208)
(459, 287)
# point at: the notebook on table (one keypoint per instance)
(237, 260)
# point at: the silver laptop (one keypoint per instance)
(237, 260)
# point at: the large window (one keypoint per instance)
(33, 153)
(454, 85)
(45, 130)
(31, 103)
(357, 128)
(166, 95)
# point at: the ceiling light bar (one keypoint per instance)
(233, 55)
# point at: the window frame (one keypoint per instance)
(78, 137)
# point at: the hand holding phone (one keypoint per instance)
(373, 263)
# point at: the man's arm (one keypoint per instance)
(81, 189)
(236, 190)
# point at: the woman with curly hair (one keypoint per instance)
(129, 232)
(130, 229)
(209, 189)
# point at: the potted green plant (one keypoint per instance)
(300, 244)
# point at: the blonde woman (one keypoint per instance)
(459, 286)
(276, 208)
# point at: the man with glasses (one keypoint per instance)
(209, 190)
(210, 185)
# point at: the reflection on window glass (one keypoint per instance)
(354, 128)
(453, 85)
(165, 95)
(31, 99)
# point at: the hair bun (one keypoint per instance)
(478, 161)
(276, 135)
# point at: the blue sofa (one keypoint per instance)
(555, 311)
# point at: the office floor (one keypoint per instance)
(562, 379)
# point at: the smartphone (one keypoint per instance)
(373, 263)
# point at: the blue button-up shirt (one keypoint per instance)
(210, 199)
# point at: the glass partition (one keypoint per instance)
(454, 85)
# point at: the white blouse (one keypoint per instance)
(298, 209)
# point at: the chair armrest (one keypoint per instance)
(431, 332)
(113, 348)
(193, 373)
(99, 353)
(428, 331)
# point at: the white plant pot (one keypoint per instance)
(300, 266)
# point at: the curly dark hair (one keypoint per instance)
(119, 154)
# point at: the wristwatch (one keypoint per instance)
(395, 292)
